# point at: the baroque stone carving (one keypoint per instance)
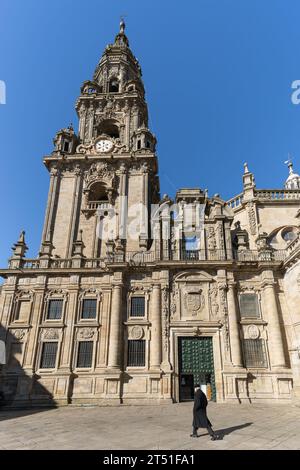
(136, 332)
(251, 217)
(253, 331)
(55, 293)
(97, 171)
(213, 300)
(211, 239)
(224, 311)
(23, 294)
(174, 299)
(220, 234)
(194, 301)
(86, 292)
(50, 333)
(165, 318)
(86, 333)
(18, 334)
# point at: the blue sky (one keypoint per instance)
(217, 74)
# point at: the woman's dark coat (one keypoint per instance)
(199, 411)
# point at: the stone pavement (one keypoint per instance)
(256, 426)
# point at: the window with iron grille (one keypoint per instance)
(55, 308)
(48, 357)
(255, 353)
(85, 354)
(136, 353)
(137, 307)
(249, 305)
(89, 308)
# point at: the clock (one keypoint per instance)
(104, 145)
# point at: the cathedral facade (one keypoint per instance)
(135, 297)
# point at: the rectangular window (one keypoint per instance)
(249, 305)
(191, 243)
(55, 309)
(255, 353)
(137, 307)
(89, 308)
(23, 311)
(136, 353)
(48, 358)
(15, 358)
(85, 354)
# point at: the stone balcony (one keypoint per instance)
(191, 257)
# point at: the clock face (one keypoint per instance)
(104, 145)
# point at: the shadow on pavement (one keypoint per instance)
(224, 432)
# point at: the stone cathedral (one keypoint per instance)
(135, 297)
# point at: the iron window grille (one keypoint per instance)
(89, 308)
(48, 357)
(55, 308)
(137, 307)
(255, 353)
(85, 354)
(136, 353)
(249, 306)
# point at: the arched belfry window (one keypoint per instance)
(98, 192)
(113, 86)
(109, 127)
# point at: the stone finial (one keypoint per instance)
(248, 183)
(78, 245)
(19, 248)
(22, 237)
(122, 26)
(293, 180)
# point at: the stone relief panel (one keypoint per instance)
(194, 297)
(194, 301)
(19, 334)
(50, 334)
(85, 333)
(136, 332)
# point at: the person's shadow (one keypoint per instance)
(221, 433)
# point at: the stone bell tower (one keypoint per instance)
(104, 179)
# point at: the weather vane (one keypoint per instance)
(289, 160)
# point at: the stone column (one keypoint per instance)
(115, 328)
(122, 204)
(228, 241)
(274, 329)
(90, 117)
(144, 214)
(70, 319)
(29, 364)
(234, 333)
(52, 195)
(74, 214)
(155, 346)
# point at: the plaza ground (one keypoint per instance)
(245, 426)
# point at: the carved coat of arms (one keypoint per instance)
(194, 301)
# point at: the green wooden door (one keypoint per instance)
(196, 365)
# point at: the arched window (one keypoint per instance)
(110, 128)
(113, 86)
(98, 192)
(289, 234)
